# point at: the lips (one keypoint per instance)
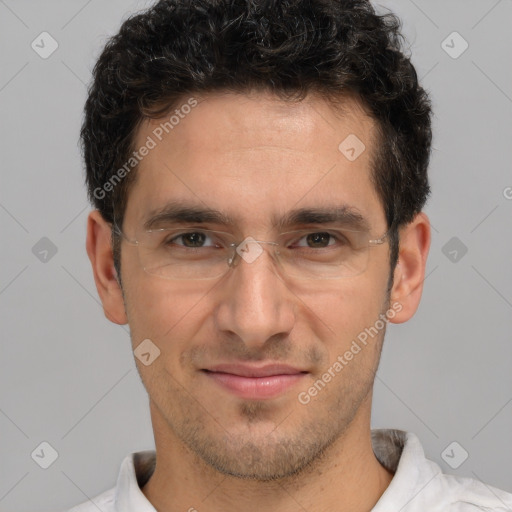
(255, 382)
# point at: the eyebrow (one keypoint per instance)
(178, 212)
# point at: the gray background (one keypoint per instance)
(67, 375)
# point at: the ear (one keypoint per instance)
(99, 249)
(409, 273)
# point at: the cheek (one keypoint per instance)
(349, 306)
(160, 310)
(351, 311)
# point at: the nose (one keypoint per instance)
(256, 303)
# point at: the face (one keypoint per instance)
(240, 354)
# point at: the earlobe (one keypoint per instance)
(99, 250)
(409, 272)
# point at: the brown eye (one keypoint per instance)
(193, 239)
(316, 240)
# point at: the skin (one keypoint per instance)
(253, 156)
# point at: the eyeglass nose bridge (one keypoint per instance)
(243, 251)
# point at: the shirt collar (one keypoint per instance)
(136, 469)
(401, 452)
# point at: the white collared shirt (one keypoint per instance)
(418, 484)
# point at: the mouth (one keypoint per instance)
(255, 382)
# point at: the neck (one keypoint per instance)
(348, 477)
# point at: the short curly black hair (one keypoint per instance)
(178, 48)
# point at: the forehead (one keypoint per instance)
(255, 156)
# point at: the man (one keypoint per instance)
(259, 170)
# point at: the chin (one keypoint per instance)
(262, 453)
